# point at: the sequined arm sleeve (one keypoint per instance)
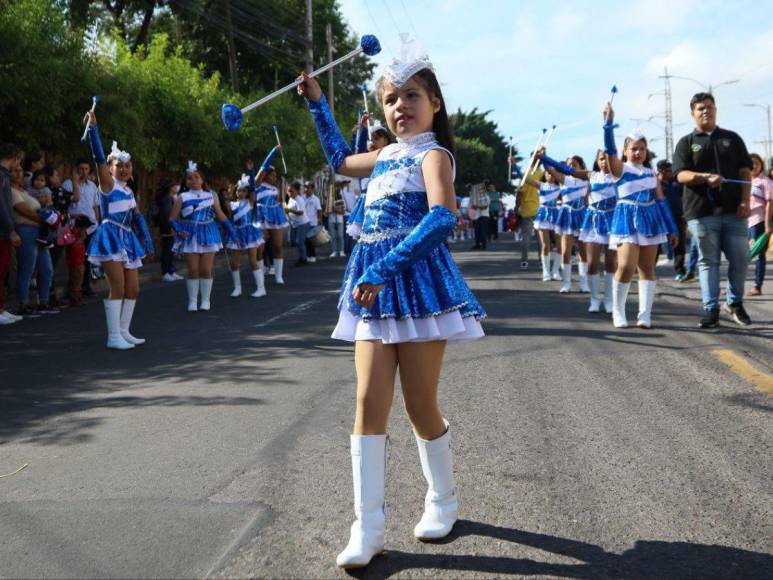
(97, 151)
(267, 161)
(142, 226)
(557, 165)
(431, 231)
(668, 217)
(333, 143)
(229, 228)
(609, 139)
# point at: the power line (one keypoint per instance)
(378, 28)
(392, 17)
(410, 20)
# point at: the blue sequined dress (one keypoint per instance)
(547, 213)
(598, 215)
(638, 218)
(115, 240)
(197, 219)
(248, 232)
(572, 211)
(428, 301)
(270, 215)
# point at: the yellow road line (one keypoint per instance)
(740, 366)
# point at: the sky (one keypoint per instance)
(539, 63)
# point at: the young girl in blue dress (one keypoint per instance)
(403, 297)
(545, 222)
(642, 221)
(596, 223)
(249, 238)
(198, 237)
(270, 214)
(115, 246)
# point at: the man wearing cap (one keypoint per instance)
(714, 166)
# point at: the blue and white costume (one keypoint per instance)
(270, 215)
(248, 232)
(115, 240)
(572, 211)
(598, 215)
(427, 301)
(638, 218)
(197, 219)
(547, 213)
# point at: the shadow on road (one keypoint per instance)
(647, 559)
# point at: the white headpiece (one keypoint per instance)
(244, 182)
(376, 126)
(116, 153)
(192, 167)
(636, 135)
(412, 59)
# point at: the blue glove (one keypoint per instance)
(141, 225)
(609, 139)
(251, 174)
(430, 232)
(668, 217)
(97, 151)
(267, 161)
(229, 227)
(333, 142)
(176, 226)
(558, 165)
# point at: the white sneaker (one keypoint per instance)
(13, 316)
(168, 278)
(5, 319)
(333, 254)
(311, 259)
(176, 277)
(341, 254)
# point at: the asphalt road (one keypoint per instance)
(220, 448)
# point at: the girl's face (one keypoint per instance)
(379, 141)
(603, 162)
(39, 182)
(194, 181)
(549, 177)
(241, 193)
(756, 167)
(271, 177)
(409, 110)
(121, 170)
(636, 152)
(573, 163)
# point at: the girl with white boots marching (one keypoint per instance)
(249, 238)
(403, 297)
(545, 224)
(641, 222)
(270, 215)
(198, 237)
(115, 245)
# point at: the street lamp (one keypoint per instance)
(768, 143)
(709, 88)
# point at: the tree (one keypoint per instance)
(477, 135)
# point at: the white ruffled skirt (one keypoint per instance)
(450, 326)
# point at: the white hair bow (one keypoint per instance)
(192, 167)
(244, 182)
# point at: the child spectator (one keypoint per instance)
(76, 260)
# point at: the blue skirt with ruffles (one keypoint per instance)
(430, 287)
(271, 217)
(569, 220)
(643, 219)
(545, 218)
(247, 236)
(201, 237)
(356, 218)
(112, 243)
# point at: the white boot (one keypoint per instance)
(620, 297)
(594, 280)
(566, 272)
(441, 506)
(205, 284)
(192, 285)
(278, 267)
(646, 298)
(260, 282)
(113, 319)
(546, 267)
(608, 300)
(237, 278)
(555, 259)
(127, 311)
(582, 268)
(368, 473)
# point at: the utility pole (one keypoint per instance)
(669, 117)
(231, 48)
(309, 38)
(769, 142)
(330, 51)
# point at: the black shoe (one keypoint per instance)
(45, 308)
(687, 277)
(28, 311)
(710, 319)
(738, 314)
